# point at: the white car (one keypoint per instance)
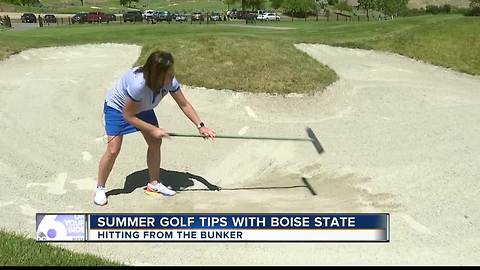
(148, 14)
(268, 17)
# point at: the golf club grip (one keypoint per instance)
(240, 137)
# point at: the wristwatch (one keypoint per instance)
(200, 125)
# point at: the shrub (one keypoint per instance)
(460, 10)
(446, 8)
(412, 12)
(473, 12)
(432, 9)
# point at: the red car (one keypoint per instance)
(97, 17)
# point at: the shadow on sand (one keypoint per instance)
(181, 181)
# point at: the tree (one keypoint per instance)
(30, 2)
(343, 6)
(400, 5)
(129, 2)
(229, 3)
(290, 6)
(24, 2)
(323, 4)
(367, 5)
(299, 6)
(474, 8)
(307, 6)
(255, 4)
(474, 4)
(276, 4)
(320, 4)
(391, 8)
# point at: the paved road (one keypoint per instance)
(23, 26)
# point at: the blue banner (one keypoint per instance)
(238, 221)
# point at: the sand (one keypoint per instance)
(400, 136)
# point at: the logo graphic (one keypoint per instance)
(61, 227)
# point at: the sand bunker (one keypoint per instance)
(400, 136)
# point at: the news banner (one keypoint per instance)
(71, 227)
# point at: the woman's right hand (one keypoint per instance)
(159, 133)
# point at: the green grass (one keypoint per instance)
(450, 43)
(262, 60)
(244, 64)
(17, 250)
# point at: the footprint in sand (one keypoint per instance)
(28, 210)
(56, 187)
(243, 131)
(86, 156)
(87, 183)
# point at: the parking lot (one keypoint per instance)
(19, 22)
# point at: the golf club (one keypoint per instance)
(311, 138)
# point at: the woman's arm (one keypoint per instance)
(190, 112)
(129, 113)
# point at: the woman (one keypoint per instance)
(129, 108)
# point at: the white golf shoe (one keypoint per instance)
(160, 188)
(100, 196)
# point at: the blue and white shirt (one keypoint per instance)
(133, 85)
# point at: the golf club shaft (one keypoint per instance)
(241, 137)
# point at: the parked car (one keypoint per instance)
(79, 18)
(133, 16)
(148, 14)
(49, 18)
(232, 14)
(252, 15)
(97, 17)
(241, 15)
(198, 16)
(163, 16)
(180, 17)
(215, 16)
(111, 17)
(29, 18)
(268, 17)
(247, 15)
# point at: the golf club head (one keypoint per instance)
(315, 141)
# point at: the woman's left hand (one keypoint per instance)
(207, 133)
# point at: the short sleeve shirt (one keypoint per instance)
(132, 85)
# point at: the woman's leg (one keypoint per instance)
(153, 163)
(108, 159)
(153, 157)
